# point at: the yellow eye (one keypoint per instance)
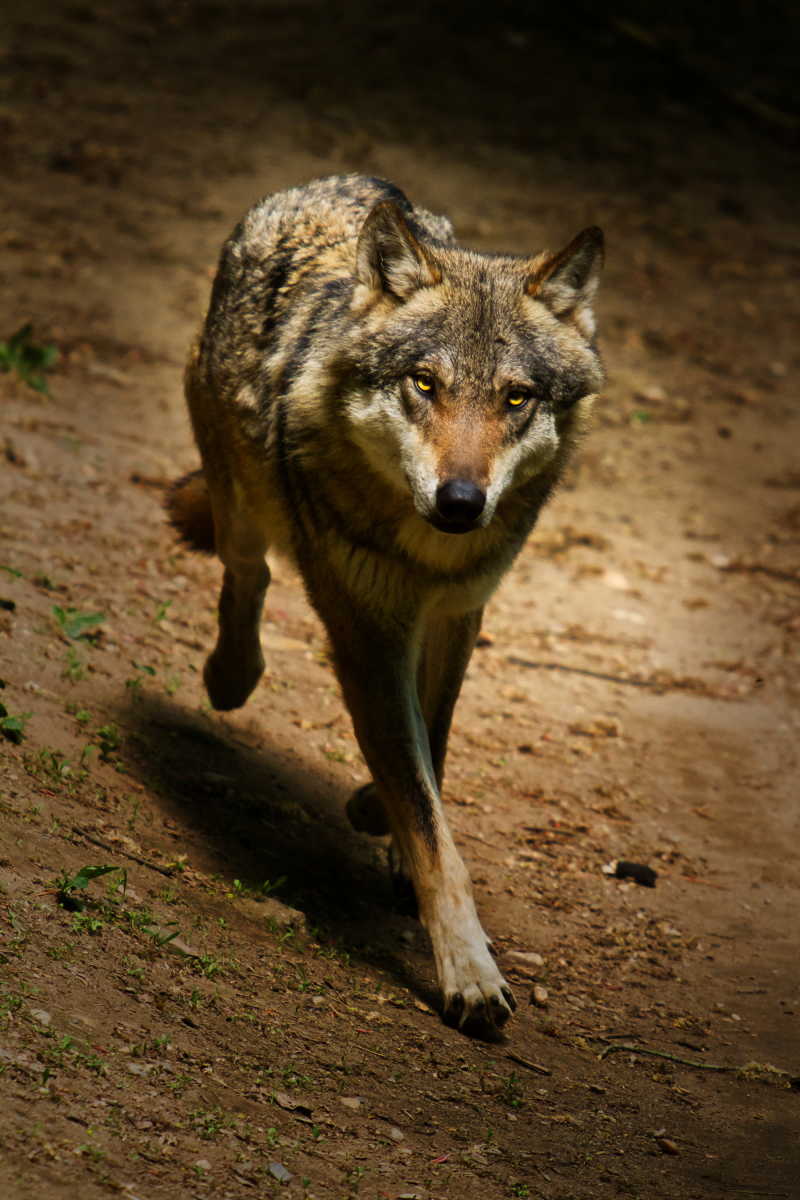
(423, 382)
(518, 399)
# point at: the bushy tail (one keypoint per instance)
(188, 506)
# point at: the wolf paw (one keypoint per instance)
(366, 813)
(476, 998)
(229, 681)
(479, 1009)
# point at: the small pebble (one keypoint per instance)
(278, 1171)
(526, 958)
(667, 1145)
(643, 875)
(539, 996)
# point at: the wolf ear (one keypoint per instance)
(389, 258)
(566, 282)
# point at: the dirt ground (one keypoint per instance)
(249, 1015)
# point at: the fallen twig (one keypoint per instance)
(745, 568)
(144, 862)
(553, 666)
(664, 683)
(764, 1072)
(686, 1062)
(526, 1062)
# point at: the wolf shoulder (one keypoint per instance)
(327, 213)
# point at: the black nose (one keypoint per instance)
(459, 503)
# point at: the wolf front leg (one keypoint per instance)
(377, 669)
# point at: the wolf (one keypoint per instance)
(390, 410)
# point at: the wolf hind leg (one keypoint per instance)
(366, 813)
(236, 663)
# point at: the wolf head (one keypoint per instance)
(472, 369)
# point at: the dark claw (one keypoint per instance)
(510, 1001)
(452, 1014)
(478, 1022)
(500, 1013)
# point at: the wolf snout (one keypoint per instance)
(459, 503)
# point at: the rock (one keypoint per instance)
(284, 1100)
(176, 945)
(354, 1103)
(278, 1171)
(274, 910)
(138, 1068)
(615, 579)
(601, 727)
(526, 958)
(539, 996)
(666, 1144)
(643, 875)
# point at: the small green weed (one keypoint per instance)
(134, 684)
(208, 965)
(55, 767)
(47, 584)
(108, 741)
(512, 1091)
(29, 360)
(12, 725)
(66, 886)
(75, 624)
(91, 916)
(74, 666)
(10, 1002)
(270, 886)
(179, 1085)
(172, 683)
(208, 1123)
(61, 953)
(81, 715)
(292, 1078)
(85, 923)
(92, 1152)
